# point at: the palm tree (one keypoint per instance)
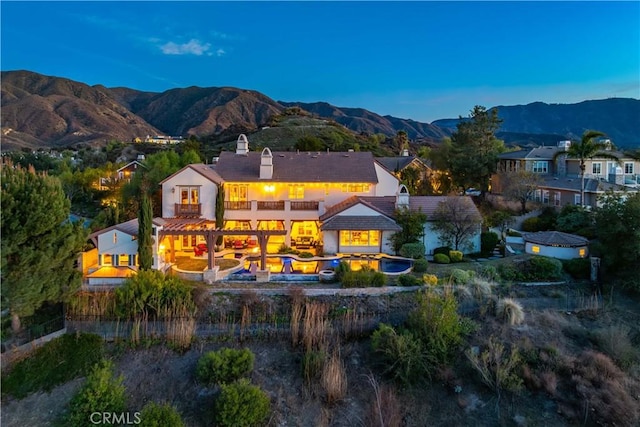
(588, 147)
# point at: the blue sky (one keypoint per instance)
(416, 60)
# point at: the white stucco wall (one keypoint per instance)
(387, 182)
(556, 252)
(189, 177)
(431, 240)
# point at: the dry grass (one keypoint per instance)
(315, 326)
(615, 341)
(180, 332)
(92, 304)
(510, 310)
(297, 309)
(386, 409)
(334, 378)
(481, 288)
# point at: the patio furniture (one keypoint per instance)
(304, 242)
(200, 249)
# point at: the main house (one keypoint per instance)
(560, 180)
(326, 202)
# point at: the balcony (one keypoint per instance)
(238, 206)
(271, 205)
(188, 210)
(304, 206)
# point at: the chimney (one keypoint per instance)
(140, 157)
(404, 152)
(242, 146)
(266, 164)
(402, 197)
(616, 176)
(564, 145)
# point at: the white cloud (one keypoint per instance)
(220, 52)
(193, 47)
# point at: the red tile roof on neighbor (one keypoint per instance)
(555, 238)
(289, 166)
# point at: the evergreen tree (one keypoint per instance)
(473, 154)
(145, 240)
(39, 245)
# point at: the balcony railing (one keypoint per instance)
(271, 205)
(238, 206)
(188, 210)
(304, 206)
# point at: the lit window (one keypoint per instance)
(359, 238)
(296, 192)
(238, 193)
(535, 249)
(582, 252)
(356, 188)
(123, 260)
(107, 259)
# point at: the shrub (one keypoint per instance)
(441, 259)
(241, 404)
(101, 392)
(408, 280)
(306, 254)
(488, 242)
(436, 323)
(578, 268)
(442, 250)
(461, 277)
(56, 362)
(616, 341)
(510, 310)
(455, 256)
(543, 268)
(430, 279)
(420, 265)
(489, 272)
(531, 224)
(401, 354)
(412, 250)
(498, 368)
(342, 268)
(312, 363)
(164, 415)
(363, 279)
(224, 366)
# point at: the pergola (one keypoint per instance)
(207, 228)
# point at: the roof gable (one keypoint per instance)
(206, 171)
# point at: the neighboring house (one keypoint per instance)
(161, 139)
(122, 175)
(401, 163)
(560, 175)
(556, 244)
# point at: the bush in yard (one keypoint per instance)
(488, 242)
(400, 353)
(442, 250)
(455, 256)
(342, 268)
(543, 268)
(312, 363)
(164, 415)
(578, 268)
(461, 277)
(363, 279)
(531, 224)
(430, 279)
(408, 280)
(498, 367)
(420, 265)
(510, 311)
(412, 250)
(241, 404)
(441, 259)
(102, 392)
(224, 366)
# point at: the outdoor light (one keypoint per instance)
(269, 188)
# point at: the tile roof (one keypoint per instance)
(555, 238)
(396, 163)
(289, 166)
(377, 222)
(429, 204)
(383, 204)
(205, 170)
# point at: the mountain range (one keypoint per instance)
(41, 111)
